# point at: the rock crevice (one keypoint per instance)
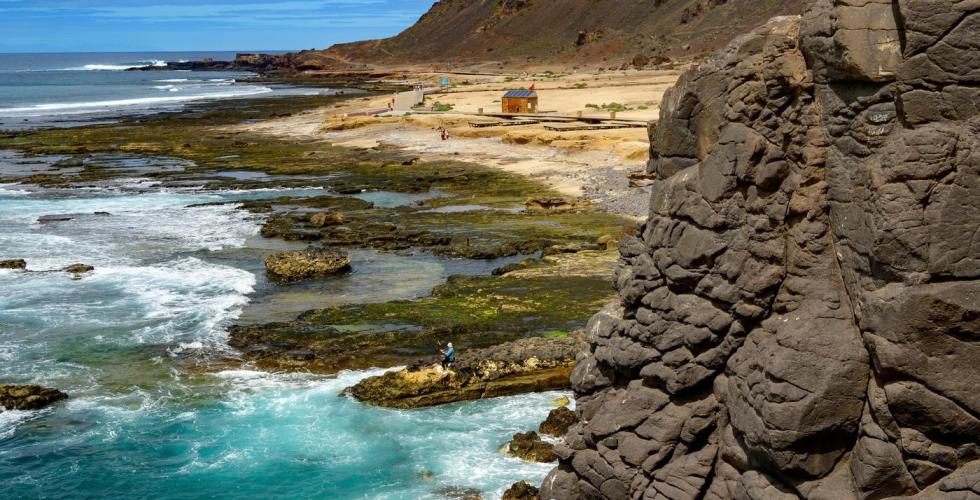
(799, 316)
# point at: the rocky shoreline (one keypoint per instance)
(526, 365)
(565, 273)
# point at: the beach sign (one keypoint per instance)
(444, 81)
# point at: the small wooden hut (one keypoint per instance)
(519, 101)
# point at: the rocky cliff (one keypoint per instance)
(799, 317)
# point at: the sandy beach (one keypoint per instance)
(582, 164)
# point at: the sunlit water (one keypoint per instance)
(168, 279)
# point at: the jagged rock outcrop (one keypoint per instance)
(799, 317)
(28, 397)
(558, 422)
(527, 365)
(529, 446)
(521, 490)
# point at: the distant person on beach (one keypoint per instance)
(448, 356)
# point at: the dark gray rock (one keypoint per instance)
(799, 317)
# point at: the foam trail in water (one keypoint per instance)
(68, 108)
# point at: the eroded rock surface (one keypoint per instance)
(79, 268)
(558, 422)
(529, 446)
(521, 490)
(799, 317)
(527, 365)
(314, 262)
(28, 397)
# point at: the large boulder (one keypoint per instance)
(13, 264)
(28, 397)
(799, 316)
(79, 269)
(529, 446)
(521, 490)
(314, 262)
(558, 422)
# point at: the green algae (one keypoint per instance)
(471, 311)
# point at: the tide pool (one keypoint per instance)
(169, 278)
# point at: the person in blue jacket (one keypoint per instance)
(449, 356)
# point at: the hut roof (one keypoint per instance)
(521, 93)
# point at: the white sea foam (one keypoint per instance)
(9, 420)
(10, 190)
(69, 108)
(116, 67)
(172, 80)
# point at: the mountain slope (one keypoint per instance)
(588, 32)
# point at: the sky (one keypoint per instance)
(185, 25)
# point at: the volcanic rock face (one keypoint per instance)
(799, 317)
(558, 422)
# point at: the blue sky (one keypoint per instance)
(180, 25)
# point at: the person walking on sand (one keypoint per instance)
(448, 356)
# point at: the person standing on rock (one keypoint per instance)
(449, 356)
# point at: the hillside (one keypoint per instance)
(606, 33)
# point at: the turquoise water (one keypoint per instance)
(168, 279)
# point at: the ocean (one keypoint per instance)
(172, 271)
(68, 89)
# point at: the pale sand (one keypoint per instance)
(569, 162)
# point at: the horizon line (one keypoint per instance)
(153, 51)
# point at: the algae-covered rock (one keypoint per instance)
(28, 397)
(521, 490)
(526, 365)
(529, 446)
(558, 422)
(13, 264)
(290, 267)
(78, 268)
